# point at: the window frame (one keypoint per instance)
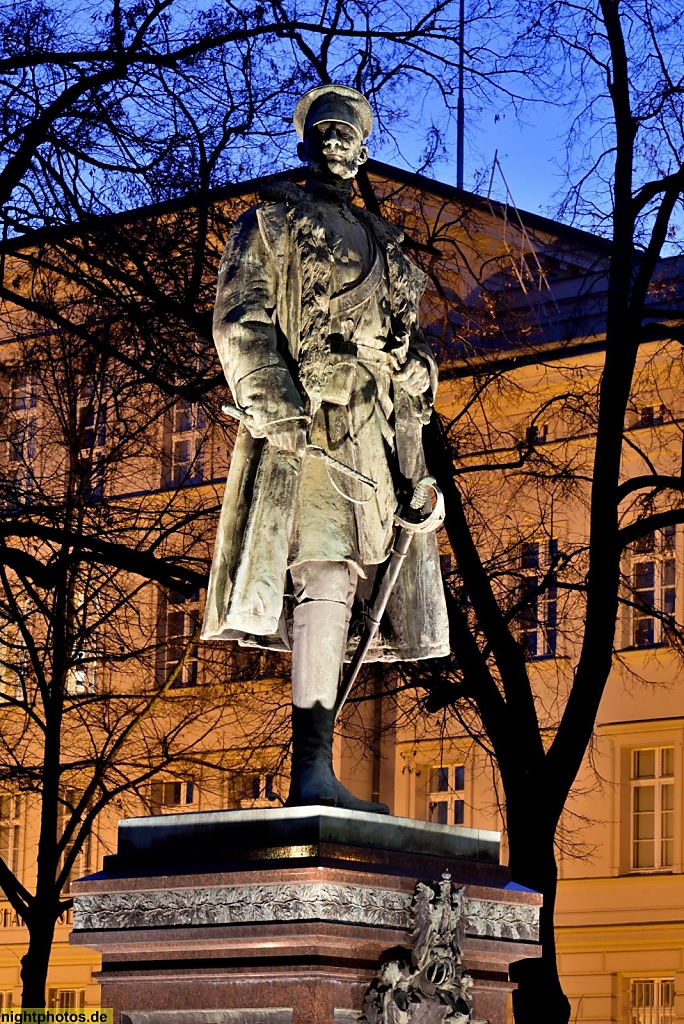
(649, 416)
(658, 1012)
(538, 620)
(658, 781)
(61, 998)
(452, 796)
(658, 549)
(177, 605)
(12, 822)
(84, 671)
(186, 789)
(92, 424)
(189, 471)
(14, 662)
(70, 797)
(23, 417)
(265, 789)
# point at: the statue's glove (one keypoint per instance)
(414, 375)
(288, 435)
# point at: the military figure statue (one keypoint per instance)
(316, 325)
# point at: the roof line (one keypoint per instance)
(139, 213)
(473, 198)
(233, 189)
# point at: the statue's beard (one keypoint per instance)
(336, 165)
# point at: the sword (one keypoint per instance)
(315, 451)
(413, 521)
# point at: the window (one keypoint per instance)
(446, 791)
(22, 448)
(92, 421)
(652, 797)
(651, 1001)
(69, 801)
(653, 586)
(23, 429)
(182, 623)
(10, 829)
(536, 433)
(651, 416)
(24, 394)
(93, 473)
(66, 998)
(81, 677)
(186, 444)
(173, 796)
(13, 661)
(538, 618)
(92, 435)
(253, 789)
(446, 565)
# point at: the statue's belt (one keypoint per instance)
(343, 303)
(379, 357)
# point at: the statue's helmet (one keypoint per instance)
(333, 103)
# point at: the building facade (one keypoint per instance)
(514, 300)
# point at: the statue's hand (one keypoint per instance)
(414, 376)
(288, 435)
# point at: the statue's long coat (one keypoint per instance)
(271, 326)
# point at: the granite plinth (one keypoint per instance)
(275, 916)
(216, 840)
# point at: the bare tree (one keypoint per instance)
(160, 102)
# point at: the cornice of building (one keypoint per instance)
(253, 186)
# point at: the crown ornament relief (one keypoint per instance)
(427, 984)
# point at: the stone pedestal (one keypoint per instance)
(281, 916)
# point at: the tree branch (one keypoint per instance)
(94, 549)
(658, 521)
(649, 481)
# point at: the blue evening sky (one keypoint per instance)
(530, 157)
(530, 152)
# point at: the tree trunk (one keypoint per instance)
(539, 995)
(36, 959)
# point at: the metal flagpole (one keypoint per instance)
(460, 123)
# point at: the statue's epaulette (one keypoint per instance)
(284, 192)
(386, 233)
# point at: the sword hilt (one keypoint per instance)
(422, 491)
(423, 523)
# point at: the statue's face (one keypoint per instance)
(334, 148)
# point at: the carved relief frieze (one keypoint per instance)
(295, 901)
(490, 919)
(241, 904)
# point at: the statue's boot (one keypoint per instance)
(312, 778)
(319, 640)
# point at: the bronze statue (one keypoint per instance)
(316, 325)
